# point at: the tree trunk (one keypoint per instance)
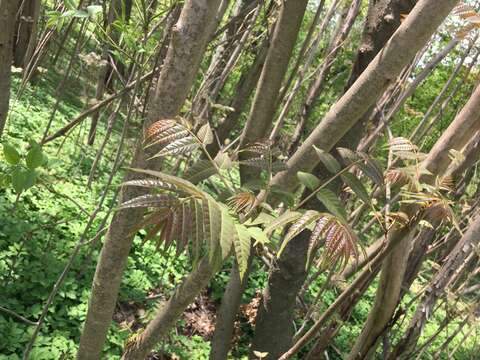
(213, 82)
(8, 10)
(318, 85)
(243, 92)
(187, 45)
(270, 319)
(166, 317)
(279, 53)
(305, 58)
(26, 32)
(274, 327)
(226, 315)
(458, 134)
(118, 9)
(436, 288)
(455, 137)
(410, 37)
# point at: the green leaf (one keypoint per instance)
(348, 155)
(34, 157)
(215, 228)
(18, 180)
(287, 197)
(328, 160)
(258, 234)
(373, 169)
(242, 245)
(70, 4)
(310, 181)
(4, 180)
(306, 219)
(94, 9)
(31, 177)
(205, 134)
(80, 14)
(223, 161)
(11, 154)
(332, 203)
(357, 187)
(286, 218)
(228, 234)
(199, 171)
(23, 179)
(262, 218)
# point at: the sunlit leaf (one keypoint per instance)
(332, 203)
(357, 187)
(11, 154)
(308, 180)
(34, 157)
(328, 160)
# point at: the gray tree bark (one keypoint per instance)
(26, 32)
(265, 101)
(187, 45)
(410, 37)
(465, 125)
(8, 10)
(436, 288)
(291, 277)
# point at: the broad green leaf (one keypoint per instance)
(22, 179)
(332, 203)
(242, 245)
(286, 218)
(31, 177)
(263, 218)
(34, 157)
(310, 181)
(258, 234)
(286, 197)
(182, 184)
(80, 14)
(68, 13)
(348, 155)
(215, 224)
(357, 187)
(70, 4)
(373, 170)
(92, 10)
(228, 234)
(328, 160)
(223, 161)
(199, 171)
(205, 134)
(306, 219)
(11, 154)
